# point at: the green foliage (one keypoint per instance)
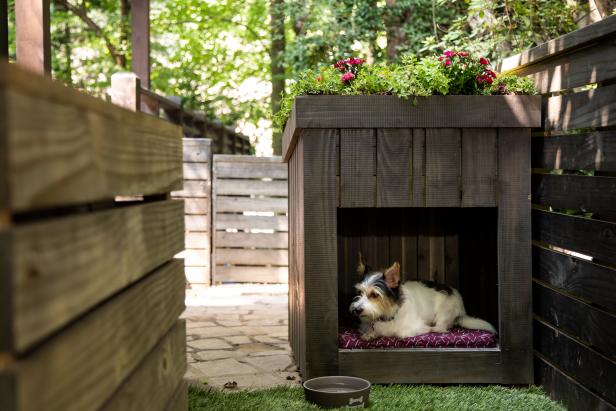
(452, 73)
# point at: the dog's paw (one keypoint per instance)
(368, 336)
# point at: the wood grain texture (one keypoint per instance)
(152, 385)
(197, 150)
(87, 258)
(595, 327)
(590, 237)
(443, 167)
(394, 167)
(196, 206)
(94, 355)
(197, 171)
(194, 189)
(592, 108)
(320, 255)
(587, 151)
(228, 169)
(479, 160)
(86, 149)
(247, 222)
(590, 368)
(255, 187)
(241, 204)
(419, 167)
(193, 239)
(514, 249)
(430, 366)
(252, 274)
(250, 240)
(560, 45)
(244, 256)
(583, 279)
(565, 389)
(587, 65)
(357, 167)
(179, 400)
(589, 194)
(374, 111)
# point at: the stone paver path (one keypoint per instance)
(239, 333)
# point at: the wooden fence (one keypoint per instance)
(197, 194)
(250, 223)
(89, 292)
(574, 215)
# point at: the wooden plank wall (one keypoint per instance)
(197, 194)
(250, 222)
(90, 293)
(574, 217)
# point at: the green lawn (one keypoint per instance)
(396, 397)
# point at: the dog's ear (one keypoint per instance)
(392, 275)
(361, 265)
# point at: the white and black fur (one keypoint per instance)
(388, 309)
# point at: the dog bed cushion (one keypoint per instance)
(455, 338)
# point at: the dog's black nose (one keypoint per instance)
(357, 311)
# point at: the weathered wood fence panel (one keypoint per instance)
(90, 294)
(250, 223)
(574, 220)
(197, 194)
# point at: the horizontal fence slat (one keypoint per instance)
(590, 194)
(588, 65)
(250, 170)
(239, 204)
(94, 355)
(197, 206)
(593, 370)
(197, 240)
(590, 237)
(587, 151)
(563, 388)
(592, 108)
(195, 258)
(256, 240)
(153, 383)
(64, 266)
(198, 275)
(251, 257)
(251, 274)
(193, 188)
(226, 158)
(251, 187)
(197, 222)
(196, 171)
(197, 150)
(247, 222)
(595, 327)
(581, 278)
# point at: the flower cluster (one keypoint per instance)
(349, 68)
(468, 74)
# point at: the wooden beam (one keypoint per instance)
(33, 36)
(140, 40)
(126, 90)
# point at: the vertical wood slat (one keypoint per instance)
(419, 168)
(320, 265)
(357, 167)
(514, 249)
(33, 37)
(479, 167)
(394, 167)
(443, 152)
(140, 40)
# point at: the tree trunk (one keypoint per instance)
(277, 70)
(393, 26)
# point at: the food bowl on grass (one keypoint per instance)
(337, 391)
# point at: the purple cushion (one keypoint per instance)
(455, 338)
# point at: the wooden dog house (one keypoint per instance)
(443, 187)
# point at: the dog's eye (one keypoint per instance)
(373, 295)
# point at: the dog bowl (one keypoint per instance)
(337, 391)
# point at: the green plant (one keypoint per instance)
(453, 72)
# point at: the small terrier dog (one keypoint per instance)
(387, 309)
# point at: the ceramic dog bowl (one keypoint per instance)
(337, 391)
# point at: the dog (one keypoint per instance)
(387, 308)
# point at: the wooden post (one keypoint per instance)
(4, 30)
(140, 40)
(32, 35)
(126, 90)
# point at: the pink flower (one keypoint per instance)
(347, 77)
(447, 53)
(483, 61)
(355, 61)
(480, 79)
(447, 63)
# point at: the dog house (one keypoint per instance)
(441, 186)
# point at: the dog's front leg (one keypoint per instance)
(367, 331)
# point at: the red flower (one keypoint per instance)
(488, 80)
(490, 73)
(447, 63)
(347, 77)
(463, 54)
(483, 61)
(355, 62)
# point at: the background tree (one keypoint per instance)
(277, 48)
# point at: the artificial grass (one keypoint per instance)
(395, 397)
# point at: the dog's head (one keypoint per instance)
(377, 293)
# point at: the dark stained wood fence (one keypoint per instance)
(250, 223)
(574, 256)
(90, 294)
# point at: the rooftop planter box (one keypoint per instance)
(443, 187)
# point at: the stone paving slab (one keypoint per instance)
(239, 333)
